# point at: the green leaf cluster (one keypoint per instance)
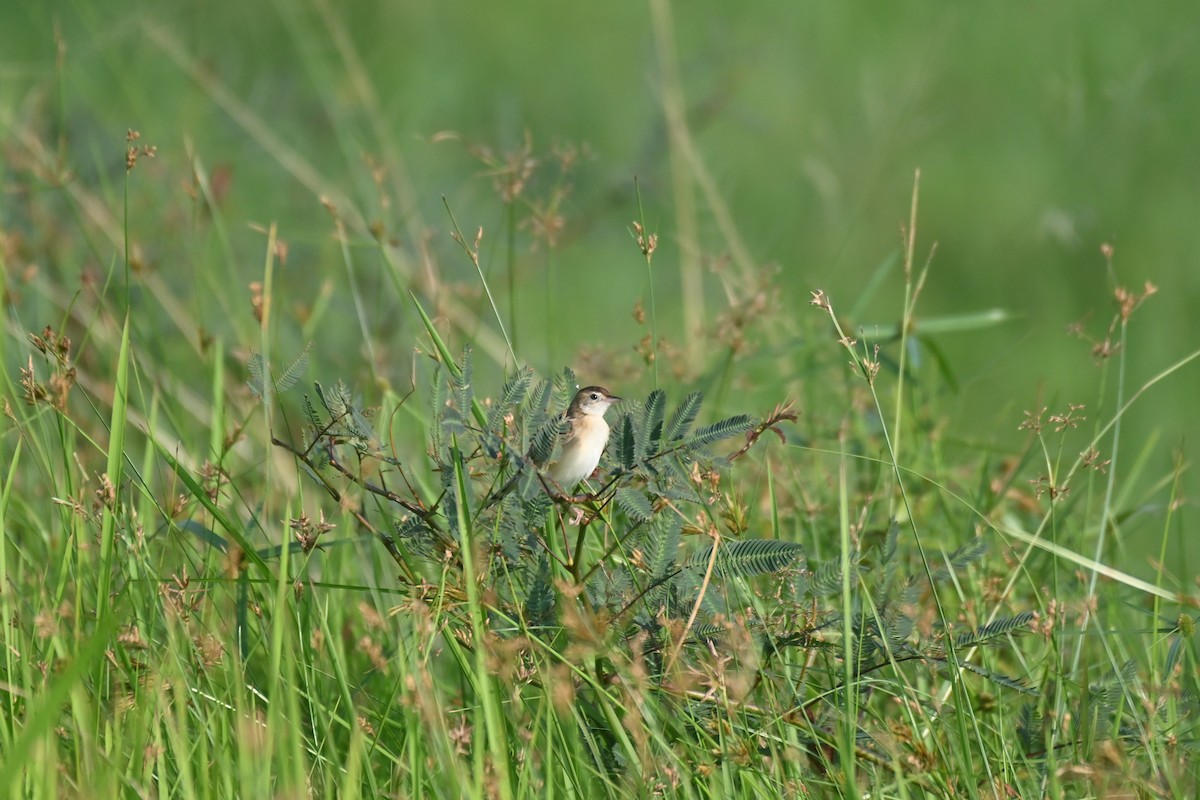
(643, 560)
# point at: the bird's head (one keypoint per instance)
(591, 400)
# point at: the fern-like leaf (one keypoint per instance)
(609, 588)
(539, 603)
(1173, 654)
(890, 563)
(333, 400)
(565, 387)
(416, 535)
(463, 390)
(746, 558)
(310, 413)
(256, 366)
(827, 578)
(652, 423)
(682, 417)
(320, 457)
(452, 422)
(363, 430)
(663, 545)
(1030, 728)
(539, 399)
(1112, 688)
(661, 549)
(511, 529)
(961, 558)
(707, 633)
(510, 397)
(437, 409)
(634, 503)
(535, 508)
(731, 426)
(292, 374)
(626, 444)
(1000, 627)
(542, 446)
(998, 678)
(672, 471)
(536, 410)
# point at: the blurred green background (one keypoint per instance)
(1042, 131)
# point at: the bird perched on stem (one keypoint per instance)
(582, 444)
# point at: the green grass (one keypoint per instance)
(261, 381)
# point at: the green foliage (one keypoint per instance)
(682, 417)
(997, 628)
(634, 503)
(961, 558)
(650, 432)
(656, 590)
(724, 429)
(748, 557)
(626, 445)
(180, 620)
(539, 600)
(664, 605)
(256, 366)
(826, 579)
(542, 443)
(463, 379)
(510, 397)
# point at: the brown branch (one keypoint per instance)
(782, 413)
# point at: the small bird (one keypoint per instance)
(584, 442)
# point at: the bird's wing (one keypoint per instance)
(572, 431)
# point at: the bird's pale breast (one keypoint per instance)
(581, 454)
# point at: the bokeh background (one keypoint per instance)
(1041, 131)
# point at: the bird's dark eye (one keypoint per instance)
(595, 395)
